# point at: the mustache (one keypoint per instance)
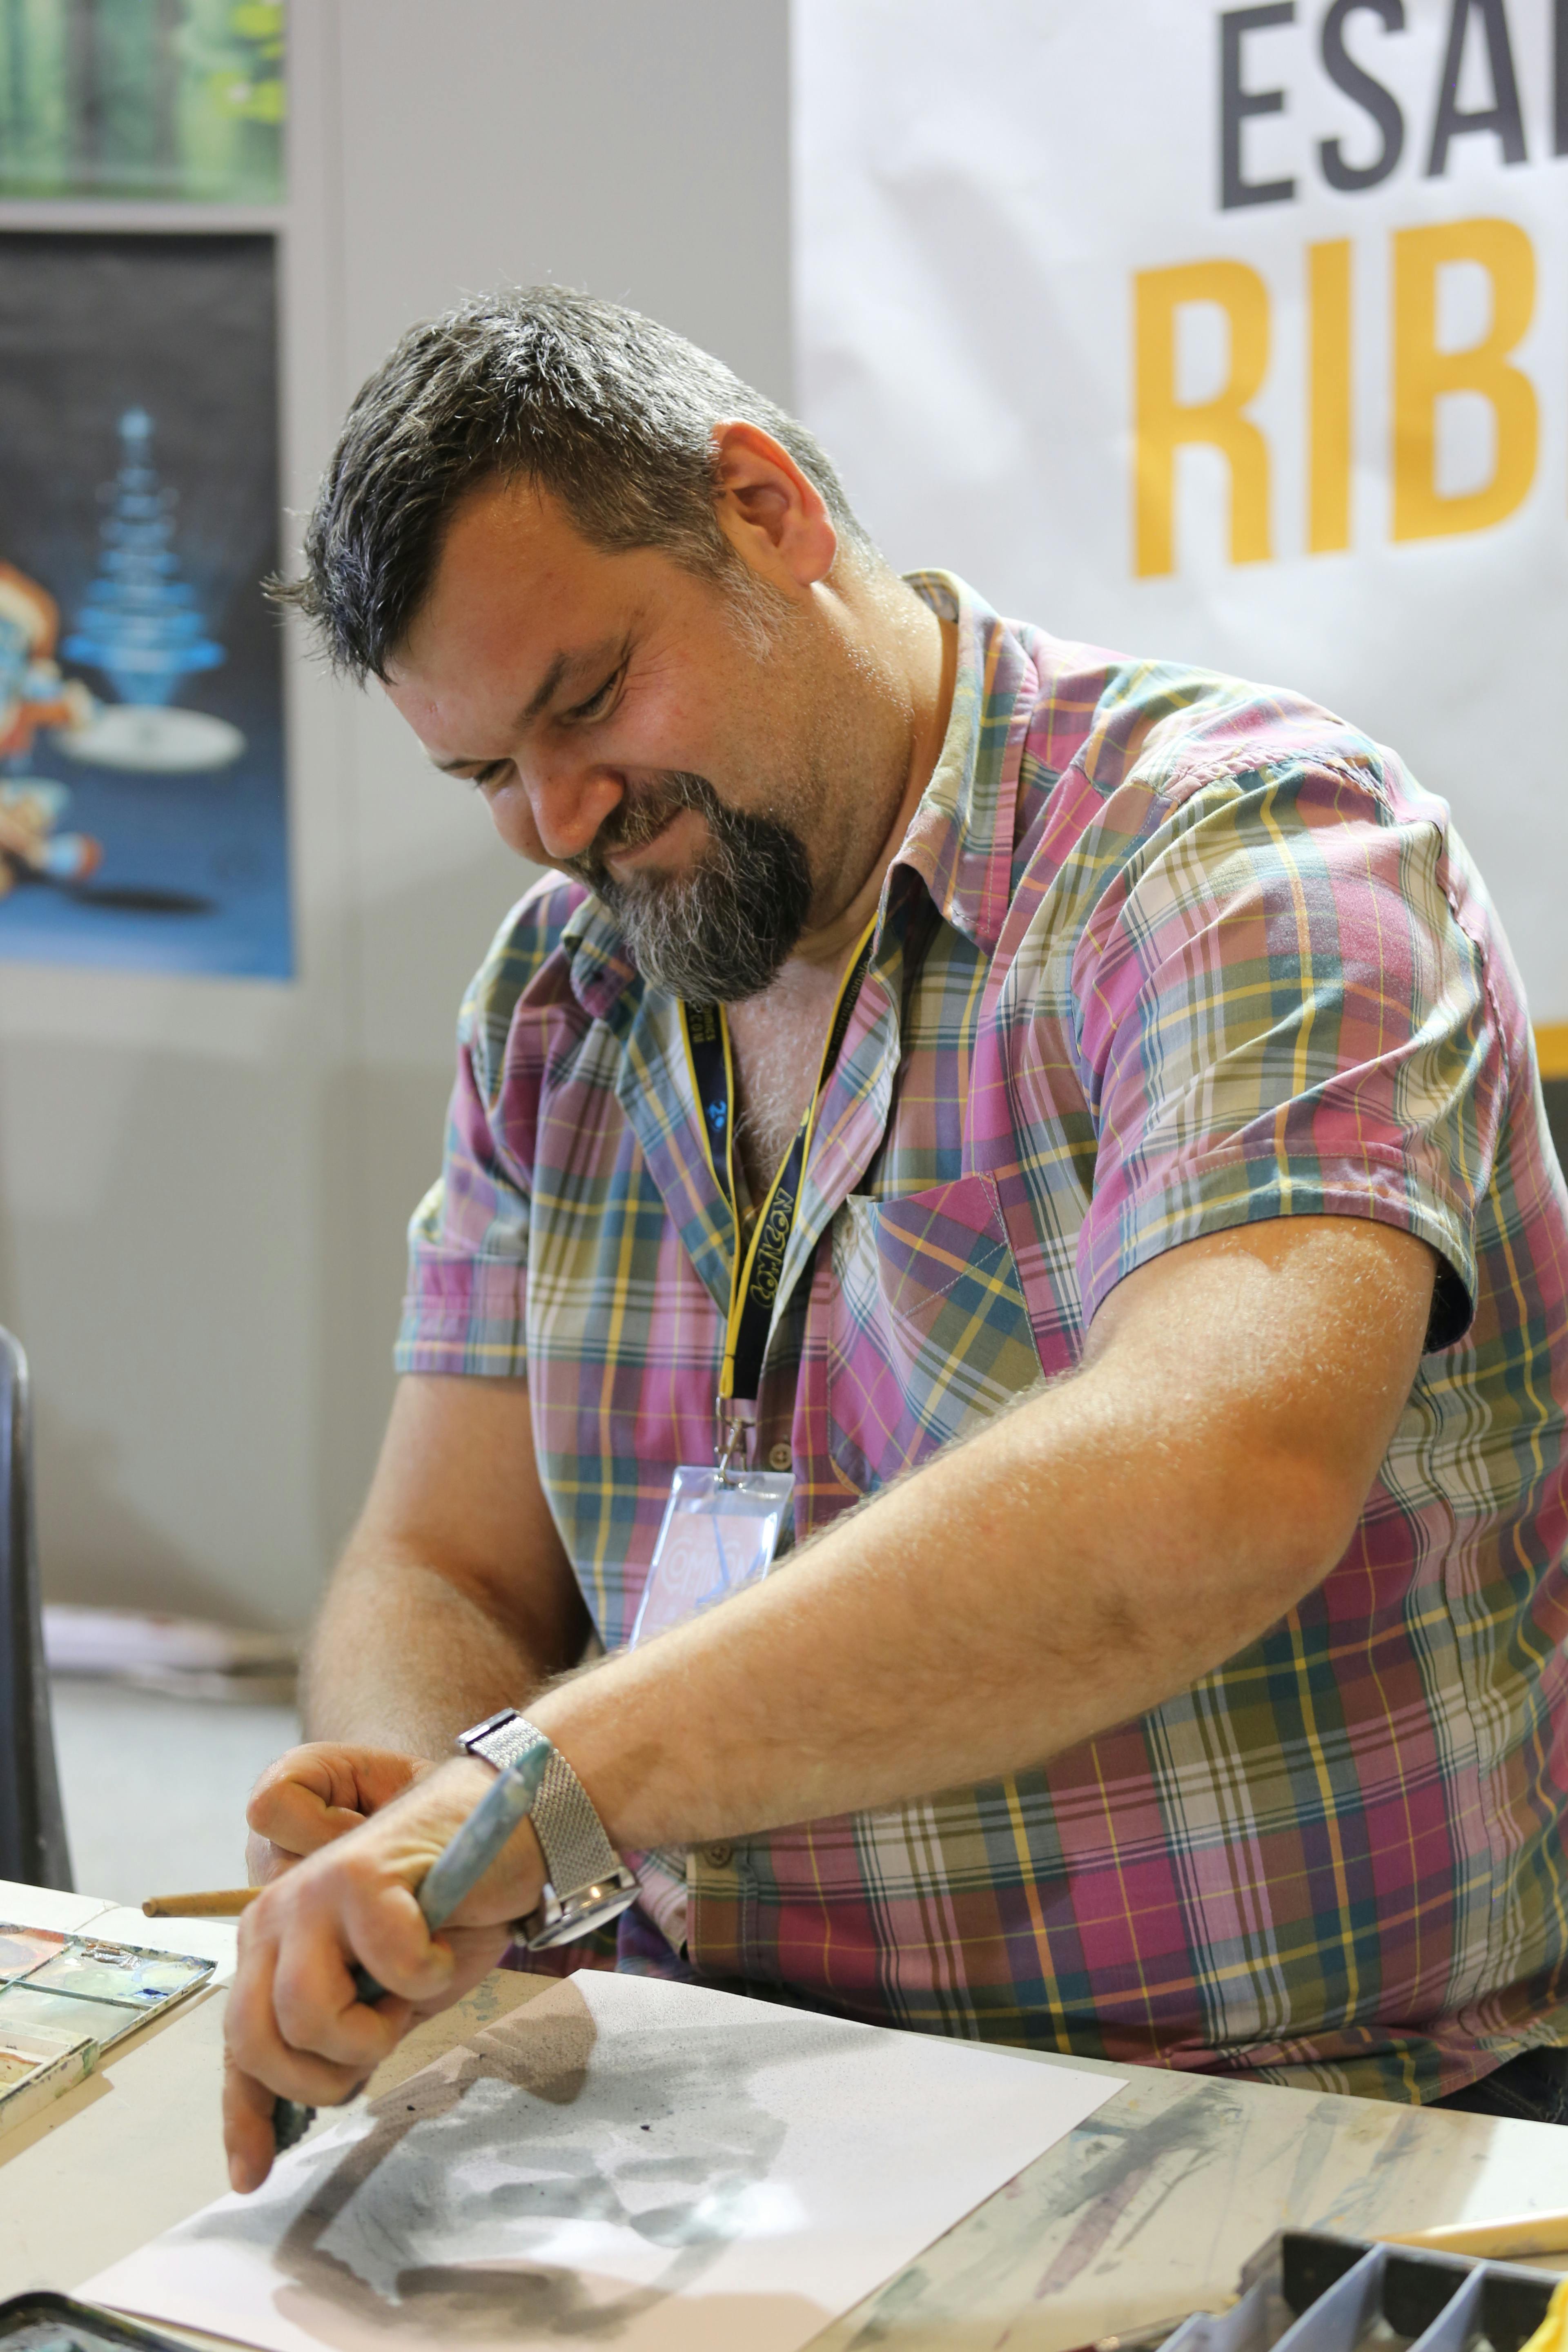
(641, 817)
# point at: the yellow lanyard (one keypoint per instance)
(754, 1278)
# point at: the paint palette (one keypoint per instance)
(63, 2000)
(35, 2069)
(122, 1973)
(22, 1949)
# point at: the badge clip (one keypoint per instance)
(734, 1435)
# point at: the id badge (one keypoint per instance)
(721, 1531)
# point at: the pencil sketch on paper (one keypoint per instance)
(423, 2209)
(623, 2162)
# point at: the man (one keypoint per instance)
(1156, 1036)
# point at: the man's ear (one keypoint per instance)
(772, 513)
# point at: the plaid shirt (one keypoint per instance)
(1160, 954)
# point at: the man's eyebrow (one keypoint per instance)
(588, 658)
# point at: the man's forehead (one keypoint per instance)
(509, 546)
(516, 579)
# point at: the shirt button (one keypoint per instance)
(779, 1456)
(717, 1858)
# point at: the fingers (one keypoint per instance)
(296, 2028)
(340, 2041)
(475, 1952)
(357, 1916)
(302, 1800)
(294, 2019)
(313, 1794)
(247, 2132)
(265, 1861)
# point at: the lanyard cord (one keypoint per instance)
(754, 1280)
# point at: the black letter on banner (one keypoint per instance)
(1236, 104)
(1370, 95)
(1503, 116)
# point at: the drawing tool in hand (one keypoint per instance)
(217, 1902)
(457, 1868)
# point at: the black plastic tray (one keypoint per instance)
(29, 2323)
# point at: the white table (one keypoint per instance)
(1148, 2210)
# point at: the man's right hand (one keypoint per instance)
(314, 1794)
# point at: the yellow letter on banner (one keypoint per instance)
(1422, 373)
(1165, 425)
(1329, 396)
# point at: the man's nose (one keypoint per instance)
(566, 804)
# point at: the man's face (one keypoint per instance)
(671, 741)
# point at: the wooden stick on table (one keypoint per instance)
(1525, 2234)
(221, 1902)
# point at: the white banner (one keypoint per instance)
(1237, 334)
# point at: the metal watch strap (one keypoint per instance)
(587, 1881)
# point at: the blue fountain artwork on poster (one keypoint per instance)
(143, 800)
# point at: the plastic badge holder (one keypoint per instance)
(719, 1533)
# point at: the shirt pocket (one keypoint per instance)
(928, 1334)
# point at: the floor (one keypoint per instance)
(154, 1788)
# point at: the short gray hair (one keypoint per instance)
(608, 411)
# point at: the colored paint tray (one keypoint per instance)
(22, 1949)
(36, 2069)
(39, 2322)
(60, 2018)
(1307, 2292)
(63, 1989)
(117, 1972)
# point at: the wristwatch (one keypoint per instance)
(586, 1882)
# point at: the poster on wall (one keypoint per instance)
(1231, 334)
(142, 807)
(161, 100)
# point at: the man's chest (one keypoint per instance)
(775, 1047)
(917, 1289)
(632, 1236)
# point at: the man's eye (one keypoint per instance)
(598, 704)
(490, 774)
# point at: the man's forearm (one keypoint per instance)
(454, 1596)
(1009, 1600)
(1095, 1552)
(404, 1658)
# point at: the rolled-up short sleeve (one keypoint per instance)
(467, 1253)
(1281, 1014)
(465, 1307)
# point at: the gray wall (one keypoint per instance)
(204, 1184)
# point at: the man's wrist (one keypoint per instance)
(586, 1882)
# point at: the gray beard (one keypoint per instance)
(722, 932)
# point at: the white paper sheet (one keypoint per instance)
(622, 2160)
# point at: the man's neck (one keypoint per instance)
(778, 1038)
(926, 650)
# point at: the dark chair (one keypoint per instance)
(32, 1825)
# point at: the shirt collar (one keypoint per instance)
(598, 961)
(959, 839)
